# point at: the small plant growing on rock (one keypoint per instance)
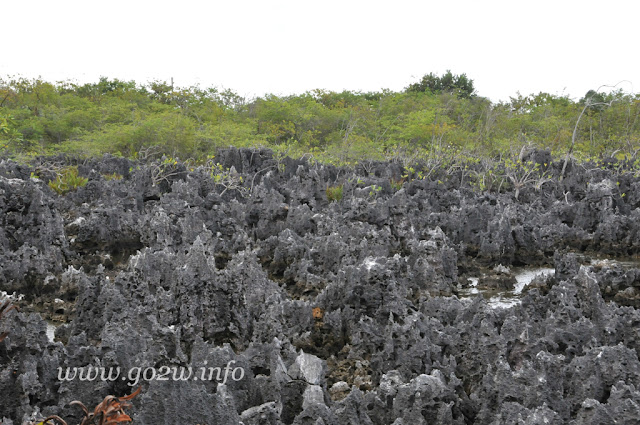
(523, 174)
(67, 180)
(411, 174)
(396, 184)
(487, 180)
(375, 190)
(229, 178)
(334, 193)
(112, 176)
(164, 169)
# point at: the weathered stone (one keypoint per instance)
(326, 312)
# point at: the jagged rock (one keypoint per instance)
(265, 414)
(305, 311)
(187, 402)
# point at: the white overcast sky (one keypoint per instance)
(289, 47)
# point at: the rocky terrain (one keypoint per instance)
(343, 312)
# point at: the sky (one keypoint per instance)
(283, 47)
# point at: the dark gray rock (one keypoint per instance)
(328, 312)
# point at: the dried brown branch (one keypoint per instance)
(54, 417)
(110, 411)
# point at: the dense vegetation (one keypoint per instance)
(437, 120)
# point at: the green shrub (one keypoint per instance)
(334, 193)
(67, 180)
(374, 191)
(396, 184)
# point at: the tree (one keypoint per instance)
(461, 85)
(593, 99)
(10, 137)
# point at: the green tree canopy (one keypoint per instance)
(438, 113)
(447, 83)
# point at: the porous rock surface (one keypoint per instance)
(333, 312)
